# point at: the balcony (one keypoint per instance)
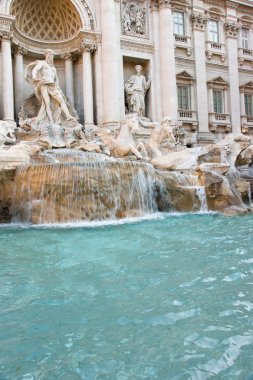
(215, 48)
(245, 55)
(188, 117)
(183, 42)
(219, 122)
(246, 123)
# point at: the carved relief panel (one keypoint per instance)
(134, 17)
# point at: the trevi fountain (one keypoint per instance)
(126, 246)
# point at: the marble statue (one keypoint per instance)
(162, 139)
(136, 88)
(42, 74)
(6, 134)
(124, 144)
(179, 133)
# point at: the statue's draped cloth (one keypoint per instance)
(53, 91)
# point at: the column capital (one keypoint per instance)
(6, 35)
(18, 49)
(68, 56)
(198, 21)
(165, 4)
(87, 47)
(156, 5)
(231, 29)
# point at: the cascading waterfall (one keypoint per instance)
(77, 191)
(191, 182)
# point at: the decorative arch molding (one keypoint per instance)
(84, 31)
(83, 8)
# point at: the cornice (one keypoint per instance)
(68, 46)
(137, 46)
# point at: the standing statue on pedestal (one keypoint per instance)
(42, 74)
(136, 88)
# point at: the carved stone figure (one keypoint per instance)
(161, 139)
(124, 144)
(6, 134)
(179, 133)
(133, 17)
(42, 74)
(136, 87)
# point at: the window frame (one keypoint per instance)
(178, 25)
(214, 35)
(250, 104)
(218, 107)
(180, 102)
(245, 40)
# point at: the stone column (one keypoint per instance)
(242, 102)
(199, 26)
(7, 73)
(231, 30)
(18, 77)
(167, 61)
(155, 75)
(110, 63)
(87, 50)
(69, 77)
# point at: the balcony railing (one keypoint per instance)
(216, 118)
(183, 42)
(245, 55)
(247, 119)
(215, 48)
(182, 39)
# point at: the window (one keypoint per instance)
(245, 38)
(218, 101)
(183, 93)
(213, 31)
(179, 24)
(248, 104)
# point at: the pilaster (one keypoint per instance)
(87, 50)
(110, 63)
(231, 31)
(199, 27)
(18, 52)
(69, 76)
(7, 76)
(167, 60)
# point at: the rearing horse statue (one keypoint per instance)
(124, 144)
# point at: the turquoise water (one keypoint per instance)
(165, 299)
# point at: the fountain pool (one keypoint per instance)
(166, 299)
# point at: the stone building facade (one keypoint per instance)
(198, 53)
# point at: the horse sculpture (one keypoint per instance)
(124, 144)
(6, 134)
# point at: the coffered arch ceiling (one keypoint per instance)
(46, 20)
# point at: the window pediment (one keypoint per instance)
(185, 76)
(218, 82)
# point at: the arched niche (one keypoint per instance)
(83, 8)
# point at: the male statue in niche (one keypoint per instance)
(42, 74)
(136, 88)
